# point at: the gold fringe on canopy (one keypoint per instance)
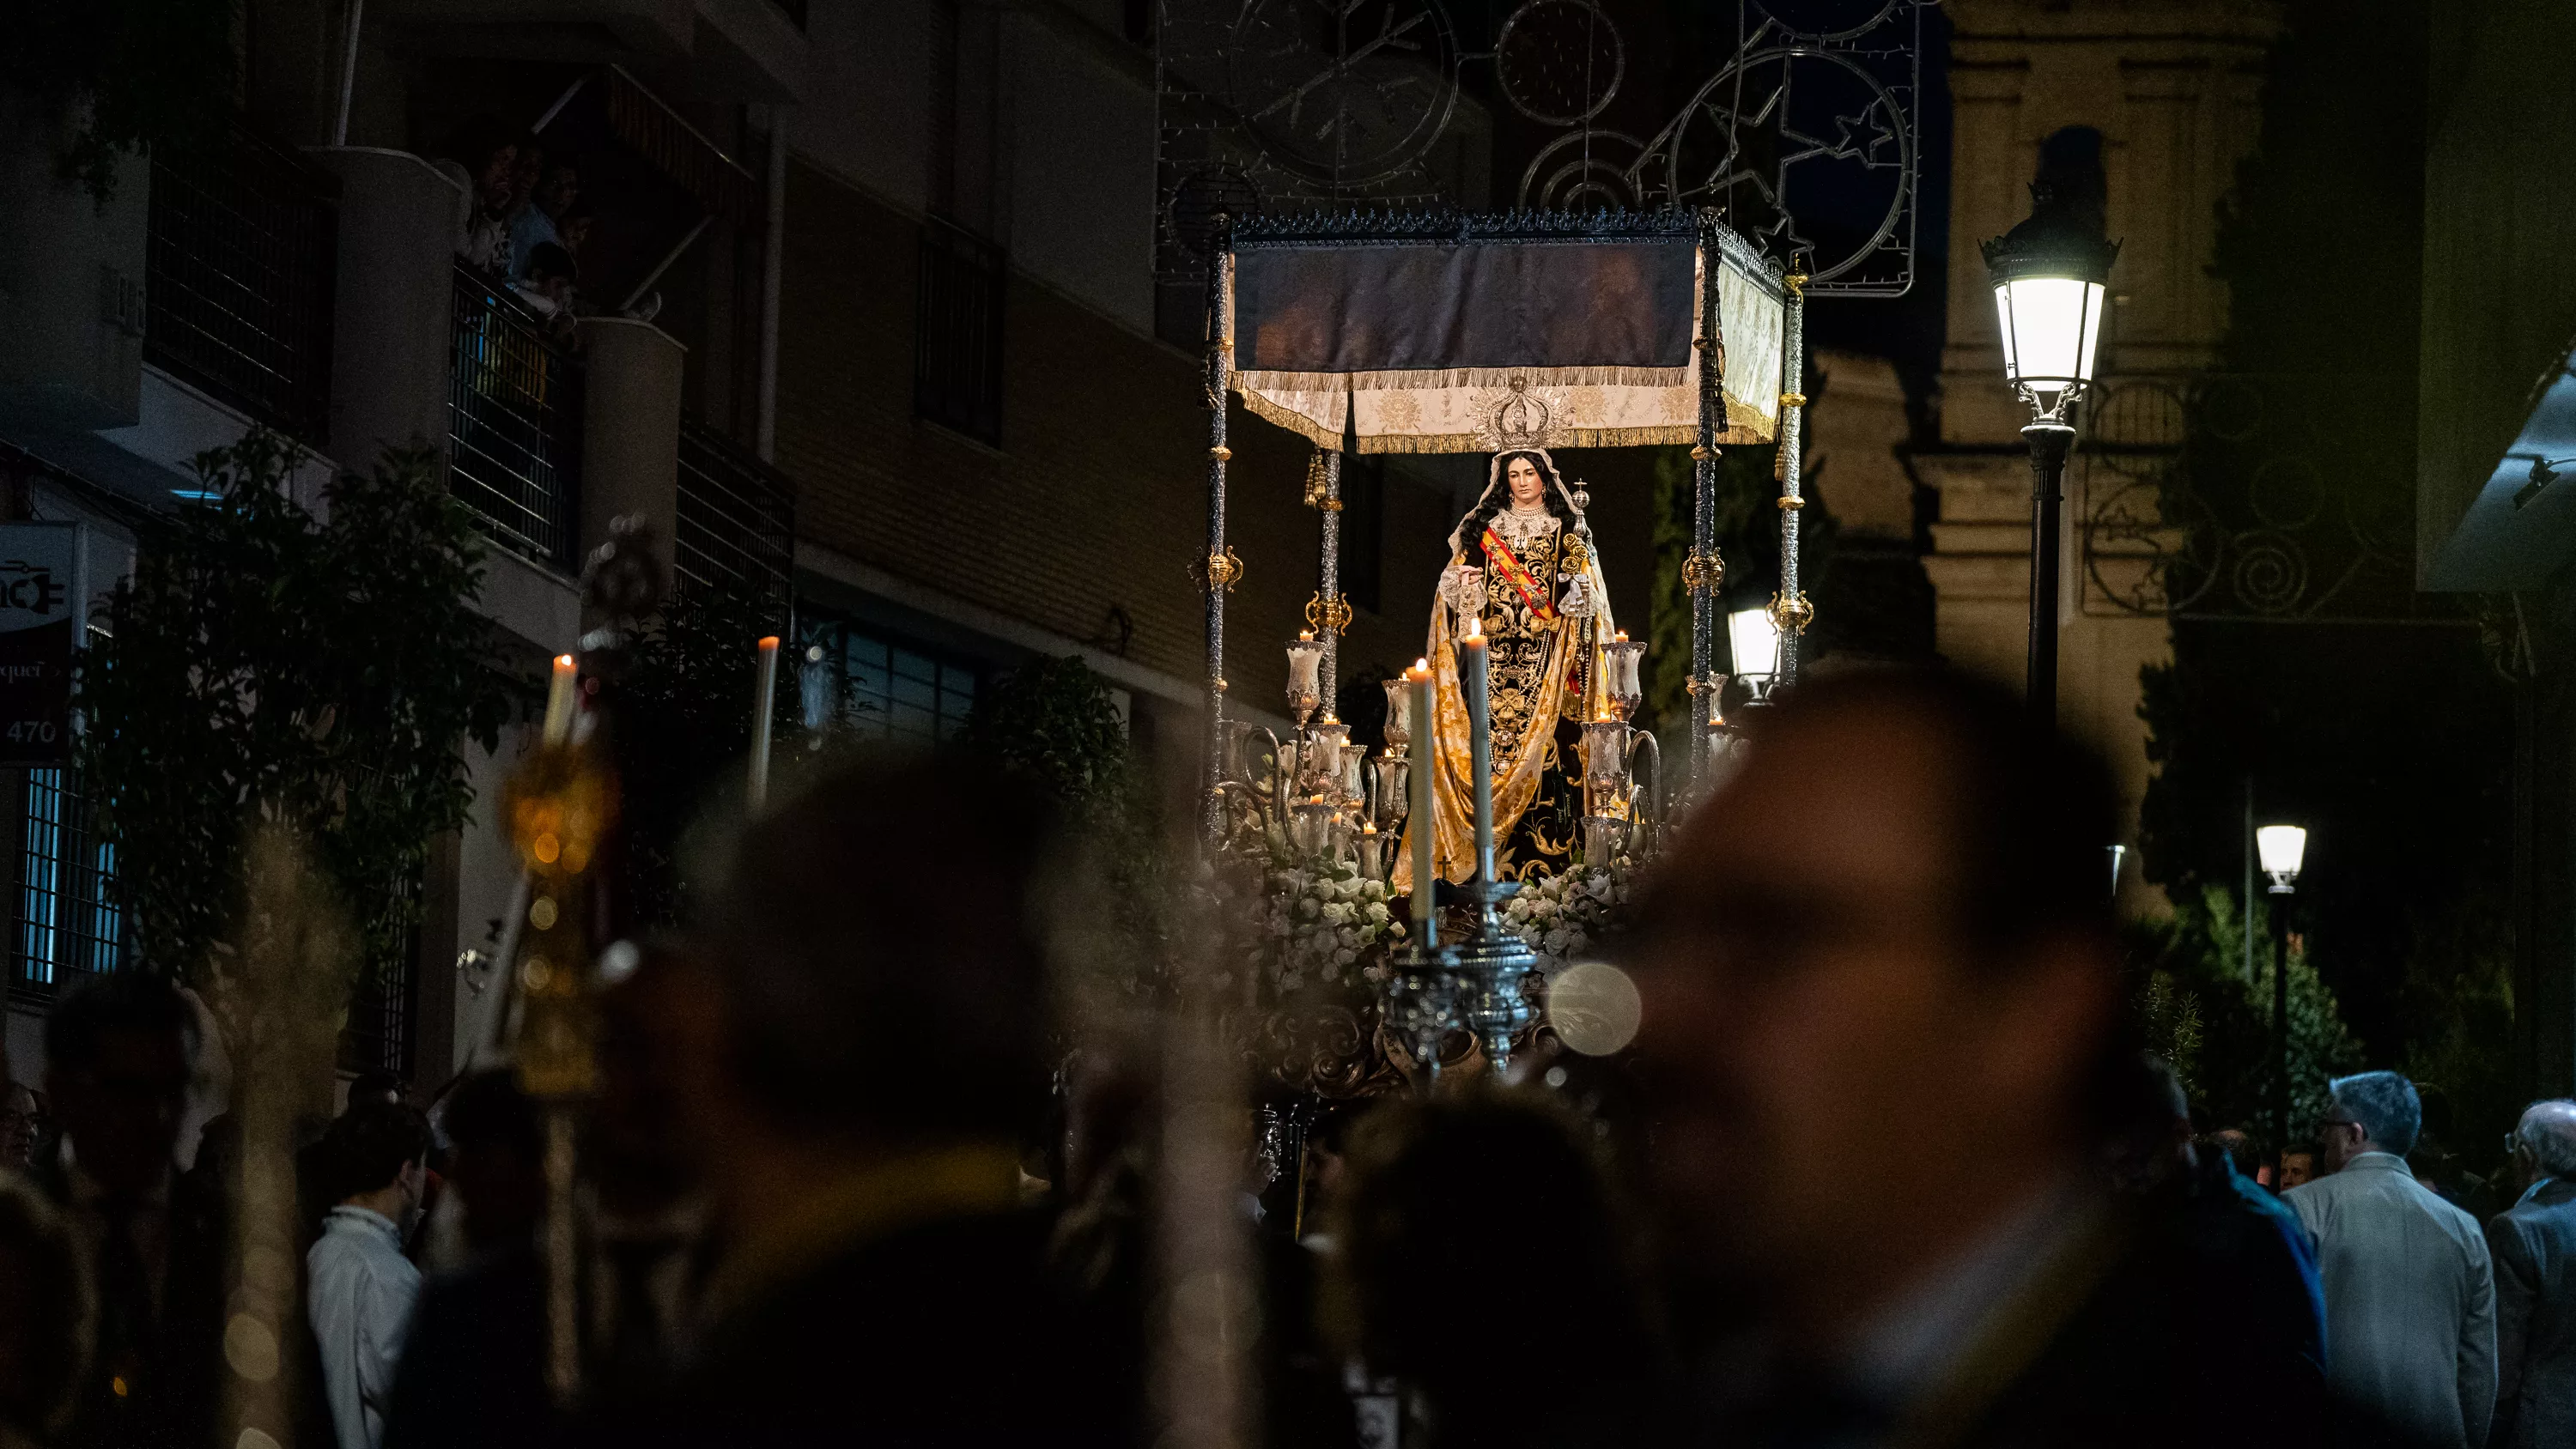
(1448, 410)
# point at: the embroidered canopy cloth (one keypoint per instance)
(1411, 345)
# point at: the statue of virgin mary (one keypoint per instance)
(1521, 561)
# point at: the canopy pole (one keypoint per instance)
(1790, 611)
(1332, 615)
(1220, 570)
(1701, 571)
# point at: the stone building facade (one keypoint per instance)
(2168, 93)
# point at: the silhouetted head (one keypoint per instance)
(119, 1054)
(1879, 981)
(878, 954)
(497, 1162)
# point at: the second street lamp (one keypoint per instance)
(2051, 275)
(2283, 849)
(1753, 640)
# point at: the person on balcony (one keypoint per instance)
(481, 160)
(552, 192)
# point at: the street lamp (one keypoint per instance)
(1755, 641)
(2051, 275)
(2282, 849)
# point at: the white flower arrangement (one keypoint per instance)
(1318, 918)
(1563, 916)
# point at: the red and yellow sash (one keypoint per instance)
(1508, 564)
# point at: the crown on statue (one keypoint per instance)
(1518, 416)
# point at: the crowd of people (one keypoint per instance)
(522, 221)
(1882, 1169)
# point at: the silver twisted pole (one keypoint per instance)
(1329, 618)
(1698, 566)
(1790, 611)
(1219, 570)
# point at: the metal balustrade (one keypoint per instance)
(514, 418)
(736, 522)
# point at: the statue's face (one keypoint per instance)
(1527, 486)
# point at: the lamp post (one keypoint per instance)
(2050, 276)
(2283, 849)
(1754, 639)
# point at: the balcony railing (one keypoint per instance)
(737, 519)
(243, 237)
(514, 417)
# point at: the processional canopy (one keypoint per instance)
(1475, 333)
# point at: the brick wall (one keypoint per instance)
(1096, 497)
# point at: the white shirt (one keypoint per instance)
(361, 1294)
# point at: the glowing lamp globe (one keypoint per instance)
(1755, 641)
(2282, 849)
(2051, 277)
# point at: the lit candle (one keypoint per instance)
(559, 700)
(764, 703)
(1480, 741)
(1426, 869)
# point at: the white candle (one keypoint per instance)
(1480, 741)
(559, 699)
(764, 702)
(1426, 869)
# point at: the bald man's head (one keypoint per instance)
(2547, 1136)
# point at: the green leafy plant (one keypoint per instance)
(319, 673)
(1053, 722)
(2191, 1001)
(682, 726)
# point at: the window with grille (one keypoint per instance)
(957, 346)
(67, 926)
(880, 686)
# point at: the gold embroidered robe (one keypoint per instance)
(1539, 672)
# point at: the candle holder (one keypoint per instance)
(1421, 1005)
(1645, 794)
(1605, 766)
(1491, 964)
(1605, 839)
(1605, 753)
(1310, 826)
(1399, 717)
(1475, 986)
(1391, 781)
(1370, 848)
(1621, 680)
(1353, 781)
(1305, 659)
(1326, 743)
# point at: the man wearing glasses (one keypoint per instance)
(2410, 1293)
(2534, 1245)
